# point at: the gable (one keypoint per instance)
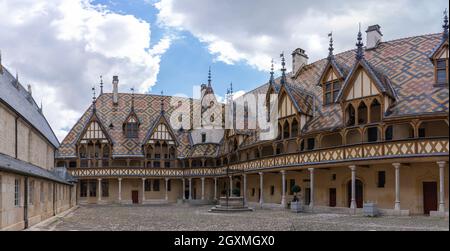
(94, 132)
(285, 106)
(361, 86)
(161, 133)
(441, 51)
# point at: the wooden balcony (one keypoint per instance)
(411, 148)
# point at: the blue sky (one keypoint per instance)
(187, 61)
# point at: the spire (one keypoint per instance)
(359, 45)
(283, 69)
(209, 77)
(330, 49)
(94, 99)
(272, 78)
(132, 98)
(162, 102)
(445, 26)
(101, 85)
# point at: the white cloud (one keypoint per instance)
(61, 48)
(256, 31)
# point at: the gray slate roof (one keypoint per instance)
(19, 100)
(13, 165)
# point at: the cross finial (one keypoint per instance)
(445, 26)
(330, 49)
(359, 45)
(101, 84)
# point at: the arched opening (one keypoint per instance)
(399, 132)
(331, 140)
(256, 154)
(279, 131)
(279, 149)
(286, 131)
(372, 134)
(375, 111)
(294, 126)
(436, 128)
(362, 114)
(267, 151)
(350, 115)
(359, 193)
(353, 137)
(292, 146)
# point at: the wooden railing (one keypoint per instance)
(366, 151)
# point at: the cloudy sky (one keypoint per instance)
(61, 47)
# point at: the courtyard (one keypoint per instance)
(197, 218)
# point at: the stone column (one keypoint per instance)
(231, 185)
(215, 188)
(311, 196)
(353, 199)
(244, 191)
(203, 188)
(397, 186)
(261, 187)
(184, 189)
(190, 188)
(441, 165)
(143, 190)
(283, 188)
(120, 190)
(99, 196)
(167, 189)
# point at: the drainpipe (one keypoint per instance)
(25, 204)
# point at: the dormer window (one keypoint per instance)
(331, 91)
(442, 71)
(131, 130)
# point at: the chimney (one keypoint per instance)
(299, 60)
(115, 90)
(374, 36)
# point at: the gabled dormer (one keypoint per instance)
(161, 132)
(94, 131)
(439, 57)
(131, 124)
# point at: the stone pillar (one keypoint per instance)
(261, 187)
(441, 165)
(397, 186)
(353, 199)
(311, 196)
(203, 188)
(120, 190)
(99, 196)
(184, 189)
(231, 185)
(190, 188)
(215, 188)
(143, 190)
(244, 191)
(283, 188)
(167, 189)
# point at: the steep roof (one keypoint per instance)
(15, 96)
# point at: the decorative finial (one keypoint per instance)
(330, 49)
(209, 77)
(93, 94)
(94, 99)
(359, 45)
(132, 98)
(445, 26)
(101, 85)
(283, 69)
(162, 102)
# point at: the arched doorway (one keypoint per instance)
(359, 193)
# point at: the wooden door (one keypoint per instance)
(332, 197)
(135, 197)
(430, 201)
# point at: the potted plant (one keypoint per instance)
(296, 204)
(237, 192)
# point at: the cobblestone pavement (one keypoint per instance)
(196, 218)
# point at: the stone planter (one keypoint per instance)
(296, 207)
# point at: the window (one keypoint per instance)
(333, 177)
(372, 134)
(16, 192)
(83, 188)
(272, 190)
(131, 130)
(311, 143)
(291, 185)
(422, 133)
(381, 179)
(148, 185)
(156, 185)
(389, 133)
(169, 185)
(441, 71)
(331, 91)
(203, 137)
(31, 192)
(180, 118)
(157, 164)
(92, 188)
(105, 188)
(212, 119)
(167, 164)
(253, 192)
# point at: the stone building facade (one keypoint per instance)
(31, 189)
(365, 125)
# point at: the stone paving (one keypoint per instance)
(197, 218)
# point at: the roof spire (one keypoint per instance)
(359, 45)
(283, 69)
(330, 49)
(445, 26)
(94, 99)
(272, 78)
(209, 77)
(101, 85)
(162, 102)
(132, 98)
